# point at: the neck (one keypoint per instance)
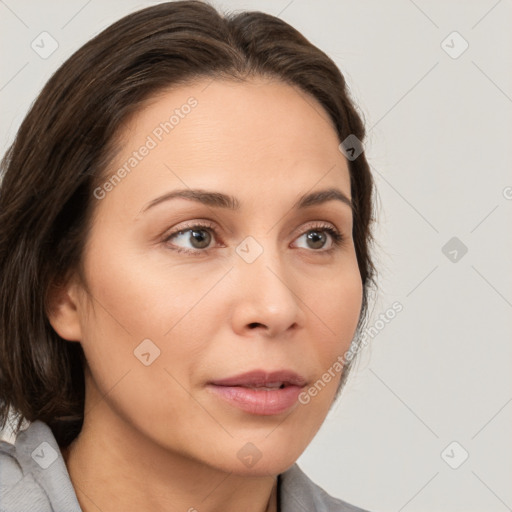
(113, 467)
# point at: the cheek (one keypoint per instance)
(143, 316)
(338, 306)
(347, 308)
(134, 300)
(145, 296)
(335, 310)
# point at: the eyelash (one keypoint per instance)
(337, 237)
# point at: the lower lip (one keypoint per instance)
(262, 402)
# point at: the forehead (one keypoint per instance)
(235, 135)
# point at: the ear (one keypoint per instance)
(64, 310)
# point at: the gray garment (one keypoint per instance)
(34, 478)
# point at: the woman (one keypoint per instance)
(185, 266)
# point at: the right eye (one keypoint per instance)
(193, 239)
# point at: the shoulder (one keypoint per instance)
(33, 474)
(299, 492)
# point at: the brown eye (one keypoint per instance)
(200, 238)
(321, 239)
(316, 239)
(196, 237)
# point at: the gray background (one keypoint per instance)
(439, 142)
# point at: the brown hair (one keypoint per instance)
(66, 142)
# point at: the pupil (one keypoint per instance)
(200, 238)
(317, 239)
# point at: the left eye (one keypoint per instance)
(317, 238)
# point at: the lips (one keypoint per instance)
(260, 392)
(260, 378)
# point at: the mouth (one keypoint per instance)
(259, 392)
(270, 386)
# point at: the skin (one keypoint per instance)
(154, 437)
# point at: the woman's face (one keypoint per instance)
(213, 256)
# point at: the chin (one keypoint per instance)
(261, 455)
(264, 467)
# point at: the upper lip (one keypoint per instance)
(257, 378)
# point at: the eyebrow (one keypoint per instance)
(220, 200)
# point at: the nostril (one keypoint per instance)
(255, 324)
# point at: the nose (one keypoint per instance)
(265, 301)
